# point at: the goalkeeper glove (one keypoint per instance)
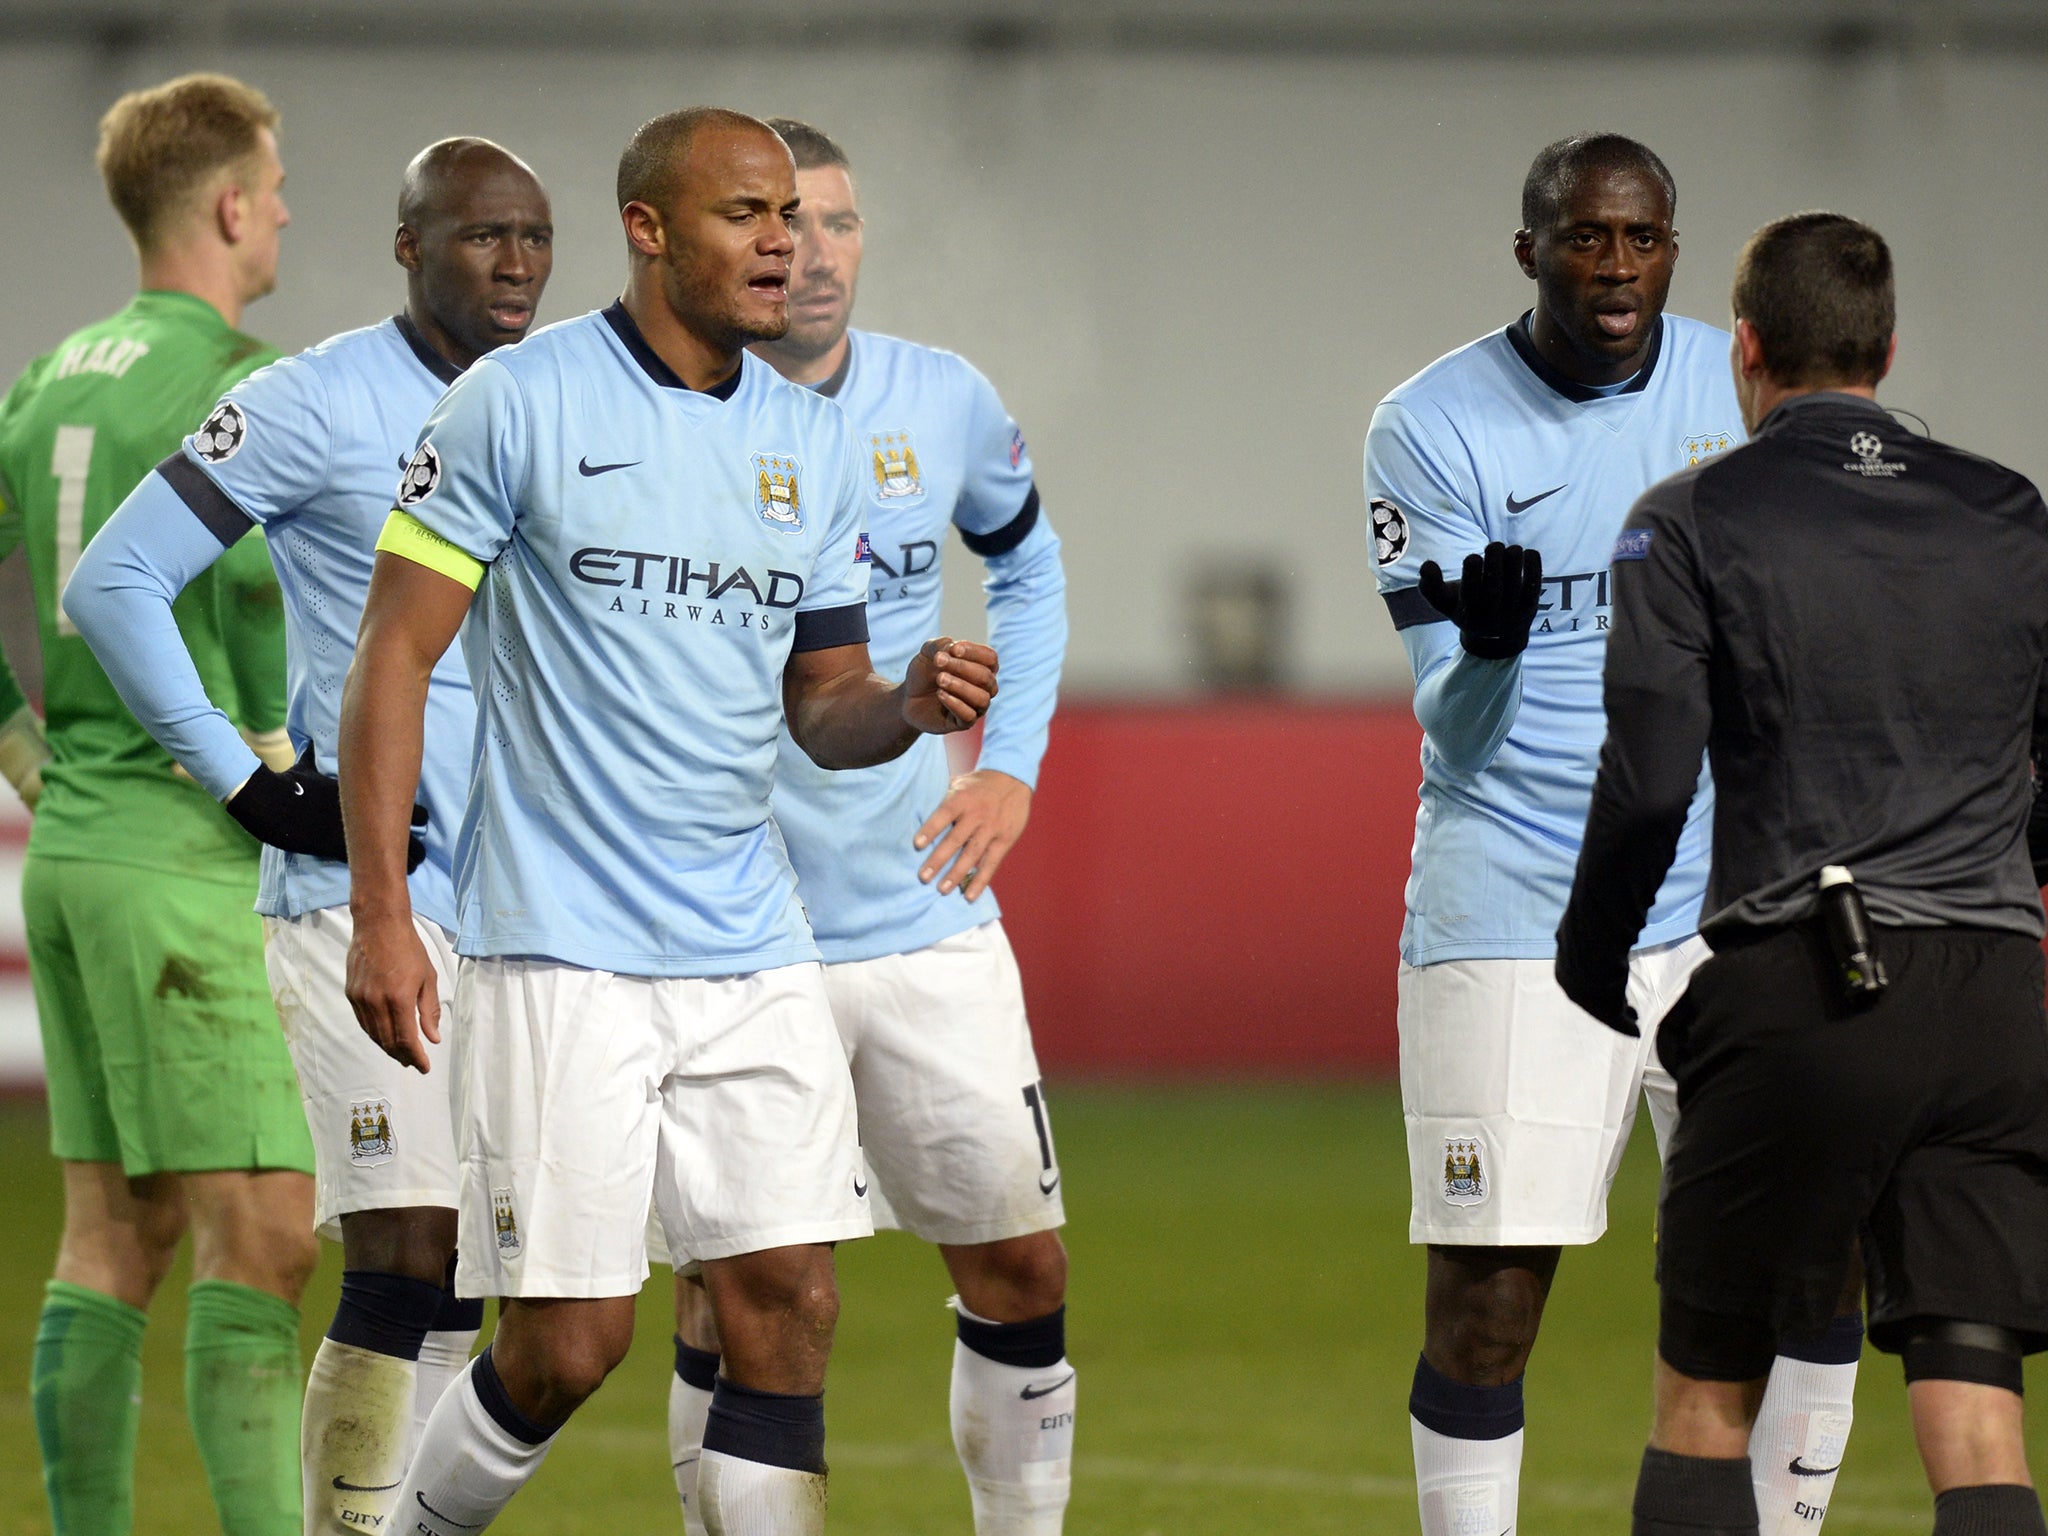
(299, 811)
(23, 753)
(1495, 603)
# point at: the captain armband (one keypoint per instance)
(406, 536)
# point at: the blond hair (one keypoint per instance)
(161, 146)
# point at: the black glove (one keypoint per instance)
(1608, 1005)
(1495, 604)
(299, 811)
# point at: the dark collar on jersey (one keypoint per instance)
(423, 349)
(1525, 348)
(650, 361)
(1820, 399)
(830, 388)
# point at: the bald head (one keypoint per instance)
(444, 173)
(656, 157)
(476, 238)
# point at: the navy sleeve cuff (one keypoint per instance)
(1006, 538)
(209, 503)
(1409, 607)
(819, 629)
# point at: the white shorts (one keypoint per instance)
(585, 1099)
(383, 1134)
(953, 1118)
(1519, 1103)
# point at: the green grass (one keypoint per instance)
(1245, 1315)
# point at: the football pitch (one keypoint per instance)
(1245, 1313)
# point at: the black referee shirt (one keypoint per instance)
(1851, 621)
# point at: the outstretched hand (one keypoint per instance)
(1495, 602)
(949, 685)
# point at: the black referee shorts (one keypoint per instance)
(1919, 1124)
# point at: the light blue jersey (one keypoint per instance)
(654, 554)
(939, 451)
(308, 448)
(1490, 443)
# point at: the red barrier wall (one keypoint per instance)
(1215, 889)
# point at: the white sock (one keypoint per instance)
(1013, 1426)
(1802, 1424)
(689, 1405)
(750, 1498)
(469, 1463)
(1466, 1487)
(444, 1355)
(353, 1438)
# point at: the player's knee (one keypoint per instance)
(1481, 1334)
(1023, 1277)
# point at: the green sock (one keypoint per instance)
(87, 1387)
(242, 1392)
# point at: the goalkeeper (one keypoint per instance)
(172, 1101)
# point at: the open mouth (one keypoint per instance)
(1618, 322)
(770, 285)
(511, 314)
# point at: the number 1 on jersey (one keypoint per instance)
(71, 463)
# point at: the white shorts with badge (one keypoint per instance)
(1519, 1103)
(953, 1119)
(586, 1099)
(383, 1134)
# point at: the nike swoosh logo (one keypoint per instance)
(1515, 506)
(459, 1525)
(1035, 1392)
(860, 1190)
(1045, 1188)
(1800, 1469)
(345, 1486)
(585, 468)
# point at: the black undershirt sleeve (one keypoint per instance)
(1658, 717)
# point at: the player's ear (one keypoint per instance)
(405, 248)
(230, 211)
(644, 232)
(1525, 253)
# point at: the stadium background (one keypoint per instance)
(1193, 244)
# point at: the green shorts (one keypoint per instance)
(160, 1042)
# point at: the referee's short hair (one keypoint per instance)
(1817, 287)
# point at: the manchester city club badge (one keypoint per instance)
(505, 1222)
(894, 459)
(1705, 444)
(1464, 1172)
(776, 496)
(369, 1133)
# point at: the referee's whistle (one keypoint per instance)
(1848, 928)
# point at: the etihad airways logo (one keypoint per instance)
(680, 587)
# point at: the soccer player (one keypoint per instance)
(172, 1103)
(1533, 440)
(893, 864)
(313, 446)
(657, 544)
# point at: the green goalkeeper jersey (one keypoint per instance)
(78, 432)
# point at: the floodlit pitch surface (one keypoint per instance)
(1245, 1315)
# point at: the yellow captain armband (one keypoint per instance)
(406, 535)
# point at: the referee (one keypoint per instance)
(1851, 622)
